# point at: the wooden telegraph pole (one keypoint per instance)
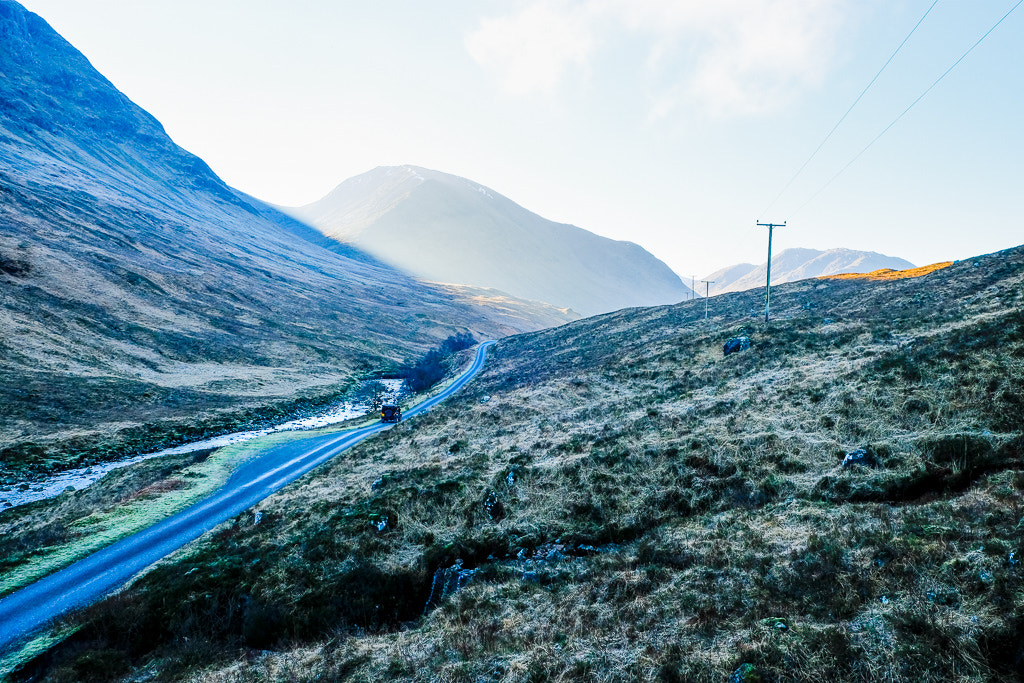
(768, 284)
(707, 291)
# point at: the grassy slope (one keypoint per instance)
(39, 538)
(144, 302)
(111, 349)
(638, 506)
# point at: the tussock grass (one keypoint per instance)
(635, 506)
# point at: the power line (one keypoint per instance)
(843, 117)
(912, 104)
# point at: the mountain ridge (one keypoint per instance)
(414, 218)
(144, 300)
(798, 263)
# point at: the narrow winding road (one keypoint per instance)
(27, 610)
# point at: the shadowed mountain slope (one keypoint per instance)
(791, 265)
(137, 288)
(448, 229)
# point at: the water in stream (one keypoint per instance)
(28, 492)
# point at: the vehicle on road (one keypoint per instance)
(390, 413)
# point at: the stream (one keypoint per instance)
(28, 492)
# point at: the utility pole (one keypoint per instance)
(693, 292)
(707, 293)
(768, 284)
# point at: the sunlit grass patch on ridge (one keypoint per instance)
(889, 273)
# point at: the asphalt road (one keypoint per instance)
(84, 582)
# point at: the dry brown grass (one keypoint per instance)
(666, 513)
(890, 274)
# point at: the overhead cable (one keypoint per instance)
(912, 104)
(843, 117)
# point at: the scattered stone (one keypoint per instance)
(863, 457)
(777, 623)
(485, 399)
(447, 582)
(550, 552)
(735, 345)
(377, 484)
(379, 522)
(257, 518)
(748, 673)
(495, 508)
(947, 597)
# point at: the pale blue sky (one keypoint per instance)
(671, 123)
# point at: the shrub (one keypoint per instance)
(430, 369)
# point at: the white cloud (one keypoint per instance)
(532, 50)
(725, 57)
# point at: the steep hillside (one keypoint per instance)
(616, 500)
(791, 265)
(448, 229)
(143, 300)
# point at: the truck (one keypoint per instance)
(390, 413)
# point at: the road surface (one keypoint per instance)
(27, 610)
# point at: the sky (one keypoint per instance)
(675, 124)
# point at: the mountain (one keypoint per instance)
(444, 228)
(791, 265)
(143, 299)
(617, 500)
(721, 279)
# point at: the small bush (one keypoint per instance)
(430, 369)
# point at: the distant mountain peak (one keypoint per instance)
(798, 263)
(445, 228)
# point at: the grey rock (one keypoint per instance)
(861, 457)
(447, 581)
(735, 345)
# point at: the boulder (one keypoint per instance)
(736, 344)
(862, 457)
(447, 581)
